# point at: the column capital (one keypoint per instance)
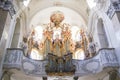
(7, 5)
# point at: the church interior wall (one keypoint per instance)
(108, 28)
(23, 29)
(111, 27)
(95, 36)
(5, 34)
(11, 31)
(42, 5)
(16, 34)
(116, 25)
(4, 37)
(102, 34)
(2, 21)
(19, 28)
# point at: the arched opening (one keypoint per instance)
(102, 34)
(58, 34)
(58, 39)
(36, 44)
(16, 34)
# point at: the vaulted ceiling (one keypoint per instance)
(80, 6)
(76, 11)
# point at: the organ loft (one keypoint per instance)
(57, 39)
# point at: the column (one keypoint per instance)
(4, 27)
(3, 16)
(6, 13)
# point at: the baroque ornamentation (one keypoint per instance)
(114, 6)
(13, 58)
(57, 38)
(7, 5)
(105, 58)
(32, 67)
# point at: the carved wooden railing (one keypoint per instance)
(105, 58)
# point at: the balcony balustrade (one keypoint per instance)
(104, 58)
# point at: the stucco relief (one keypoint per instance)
(108, 58)
(111, 11)
(105, 58)
(87, 67)
(7, 5)
(33, 67)
(13, 58)
(114, 6)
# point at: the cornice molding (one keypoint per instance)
(8, 5)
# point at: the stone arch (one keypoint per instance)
(103, 5)
(16, 35)
(37, 8)
(23, 17)
(92, 29)
(102, 34)
(96, 12)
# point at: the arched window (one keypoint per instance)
(102, 34)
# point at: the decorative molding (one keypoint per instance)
(100, 4)
(7, 5)
(32, 67)
(105, 58)
(13, 58)
(86, 67)
(108, 58)
(115, 6)
(111, 11)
